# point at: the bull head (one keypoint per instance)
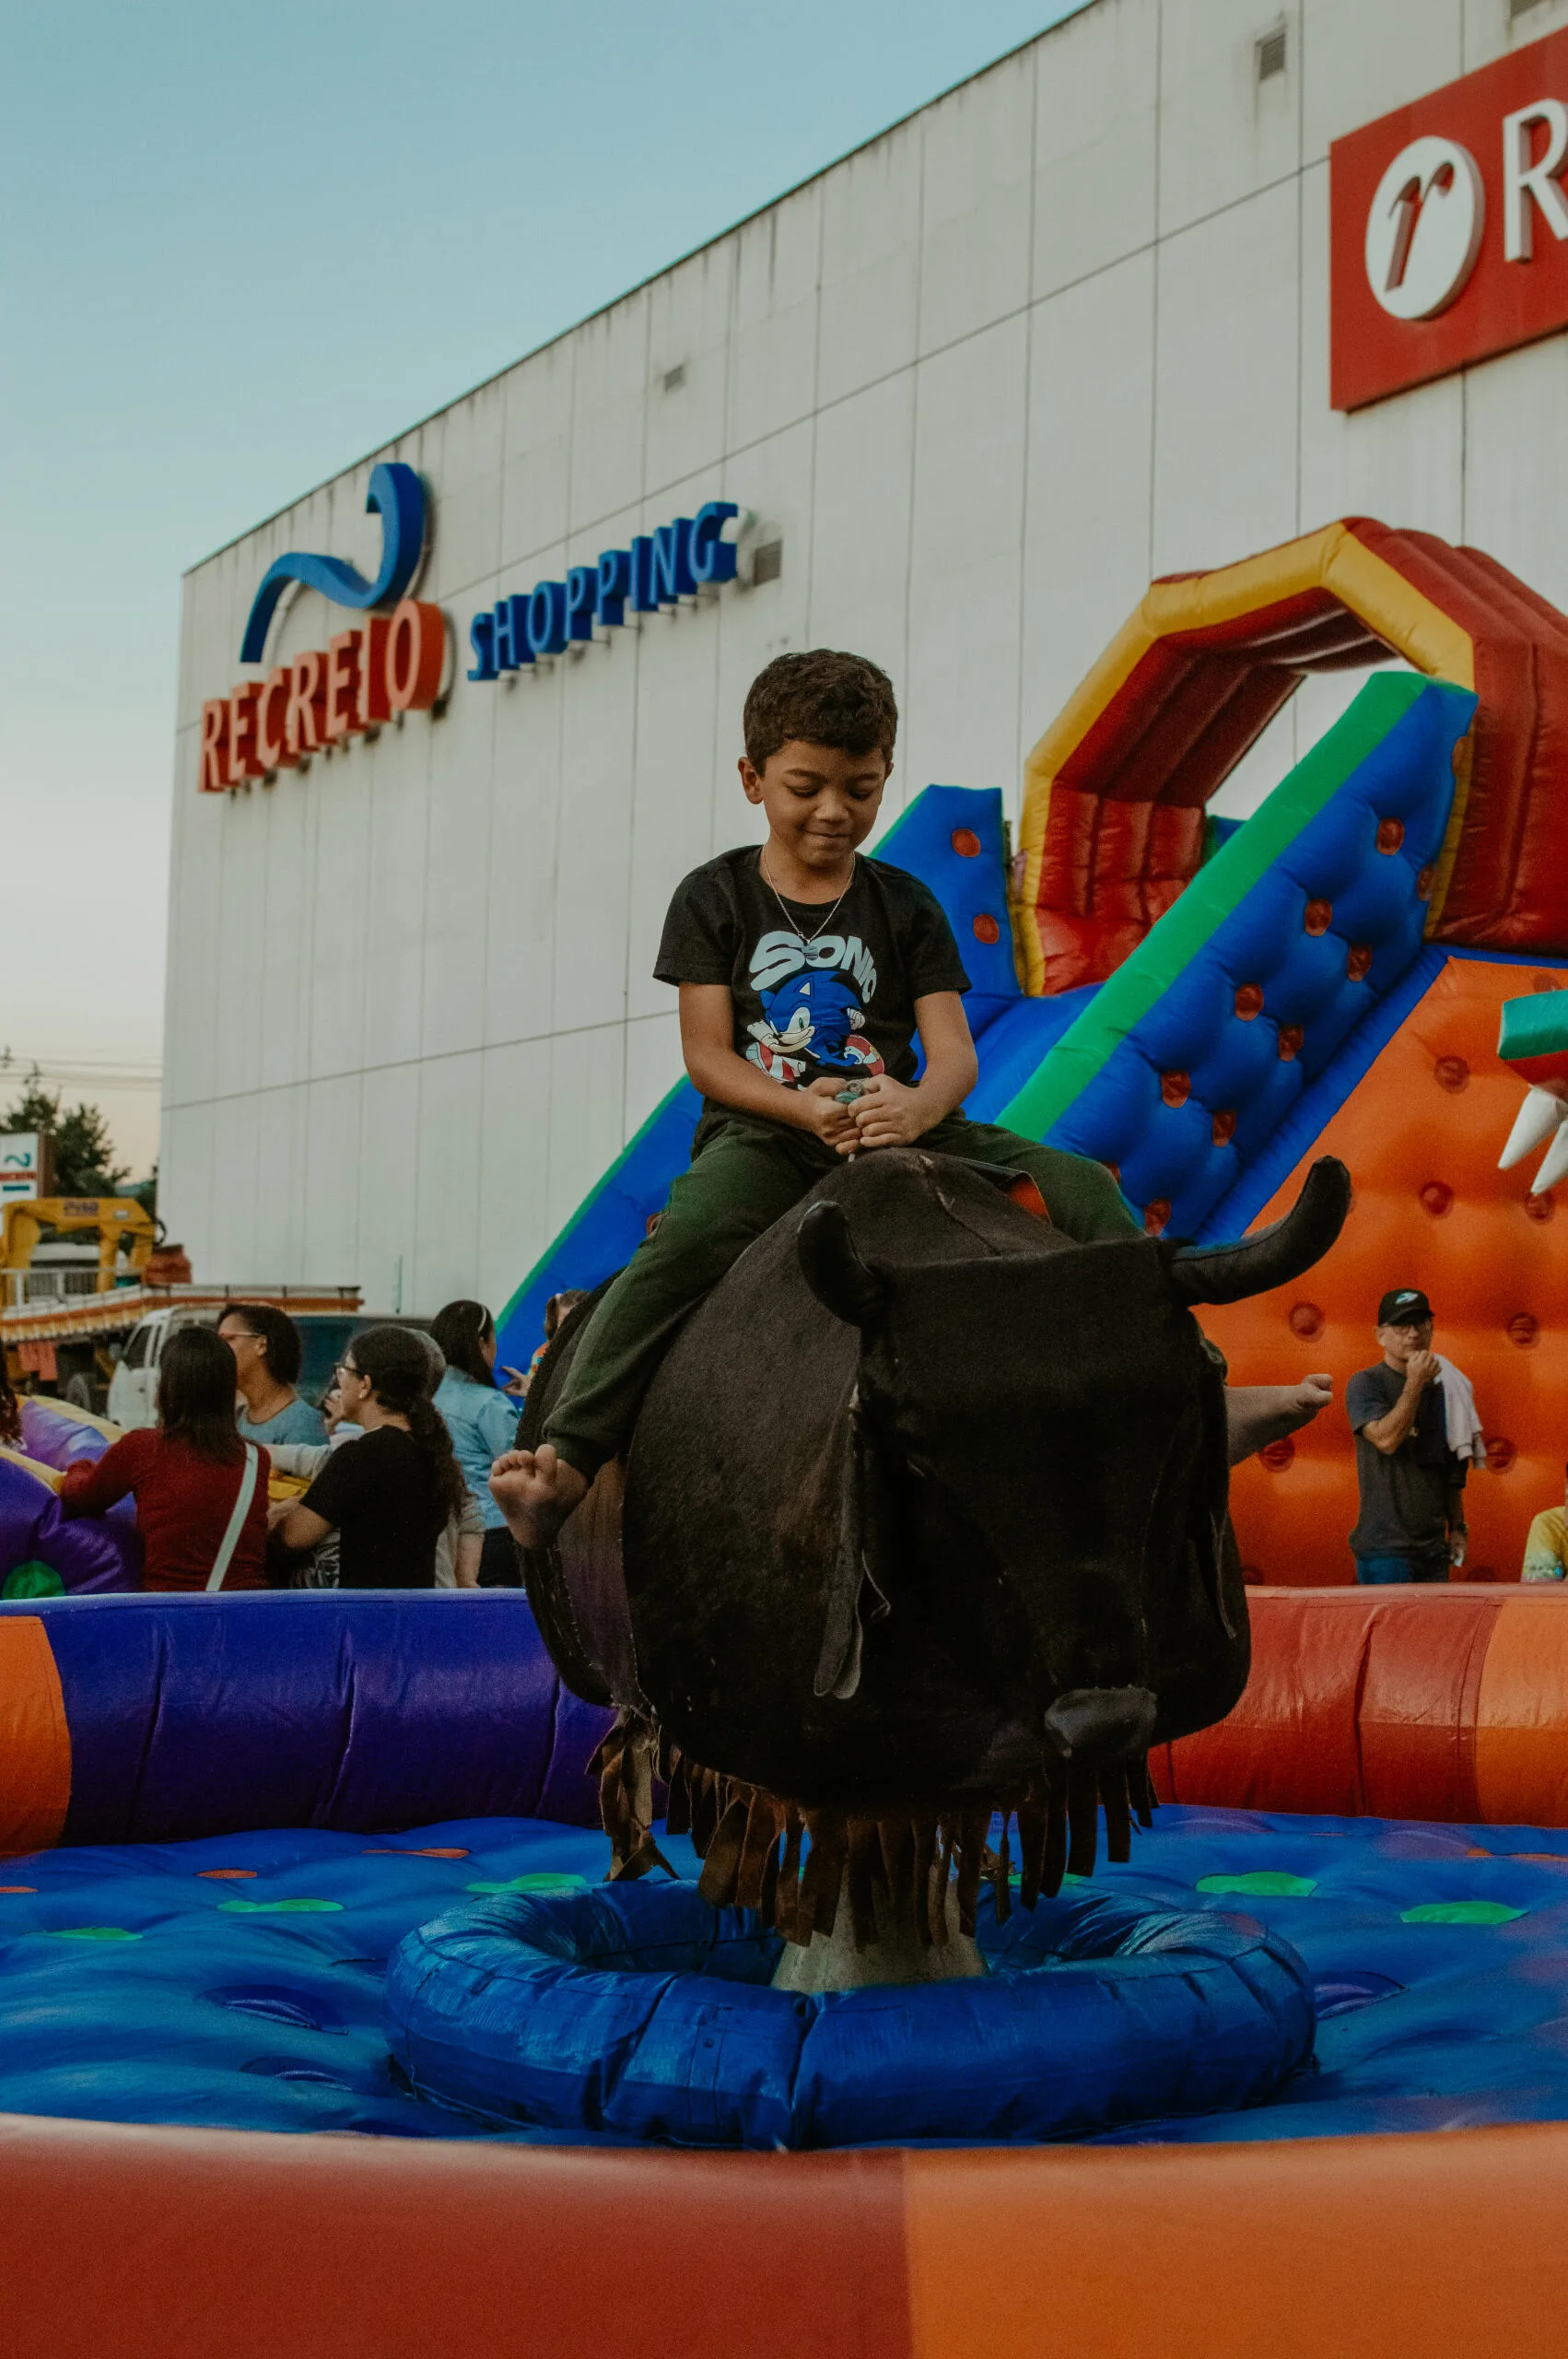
(1212, 1273)
(1058, 1424)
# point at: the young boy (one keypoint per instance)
(804, 972)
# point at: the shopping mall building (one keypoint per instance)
(1111, 310)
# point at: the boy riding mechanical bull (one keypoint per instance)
(752, 935)
(924, 1501)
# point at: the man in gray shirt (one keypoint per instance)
(1411, 1525)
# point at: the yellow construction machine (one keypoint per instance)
(116, 1218)
(38, 1318)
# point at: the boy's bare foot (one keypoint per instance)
(536, 1490)
(1259, 1414)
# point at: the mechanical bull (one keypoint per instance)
(924, 1519)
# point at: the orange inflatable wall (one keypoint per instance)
(150, 2243)
(145, 2242)
(1421, 1136)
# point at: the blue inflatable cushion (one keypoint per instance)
(639, 2010)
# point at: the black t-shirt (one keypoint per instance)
(381, 1496)
(816, 989)
(1404, 1499)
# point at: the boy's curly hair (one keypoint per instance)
(824, 698)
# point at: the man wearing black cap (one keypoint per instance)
(1411, 1526)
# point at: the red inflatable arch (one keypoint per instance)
(1114, 791)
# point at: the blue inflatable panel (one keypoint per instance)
(608, 1226)
(238, 1982)
(1221, 1056)
(1015, 1044)
(637, 2009)
(951, 837)
(193, 1715)
(1344, 1073)
(1321, 1100)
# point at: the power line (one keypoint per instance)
(78, 1073)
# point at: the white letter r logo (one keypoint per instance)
(1423, 231)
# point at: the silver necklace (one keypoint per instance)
(805, 940)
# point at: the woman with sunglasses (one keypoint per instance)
(265, 1345)
(388, 1495)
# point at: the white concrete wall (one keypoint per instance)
(1064, 330)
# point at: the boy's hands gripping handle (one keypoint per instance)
(824, 1106)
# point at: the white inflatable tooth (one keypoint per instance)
(1554, 1166)
(1538, 1116)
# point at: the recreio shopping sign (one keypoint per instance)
(1449, 228)
(399, 662)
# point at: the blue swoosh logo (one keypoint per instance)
(397, 492)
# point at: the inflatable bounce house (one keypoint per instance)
(1292, 2077)
(1207, 1007)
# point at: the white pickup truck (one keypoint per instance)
(72, 1345)
(323, 1334)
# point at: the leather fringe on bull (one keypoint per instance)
(752, 1845)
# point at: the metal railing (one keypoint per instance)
(19, 1287)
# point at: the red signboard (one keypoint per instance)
(1449, 228)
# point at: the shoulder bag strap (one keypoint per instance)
(230, 1540)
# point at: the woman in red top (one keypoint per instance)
(184, 1474)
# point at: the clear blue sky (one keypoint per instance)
(244, 244)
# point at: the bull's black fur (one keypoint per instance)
(925, 1516)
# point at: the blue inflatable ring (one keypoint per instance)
(638, 2011)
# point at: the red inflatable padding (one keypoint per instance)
(1130, 859)
(1447, 1704)
(1508, 886)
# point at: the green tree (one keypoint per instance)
(84, 1151)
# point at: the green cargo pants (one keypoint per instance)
(745, 1175)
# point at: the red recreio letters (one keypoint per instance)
(1449, 228)
(366, 676)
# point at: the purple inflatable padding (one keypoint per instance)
(90, 1553)
(56, 1438)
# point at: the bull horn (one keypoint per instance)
(1253, 1265)
(833, 1270)
(1539, 1115)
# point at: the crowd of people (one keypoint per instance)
(395, 1462)
(410, 1506)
